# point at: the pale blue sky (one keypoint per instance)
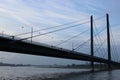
(46, 13)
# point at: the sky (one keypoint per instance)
(18, 16)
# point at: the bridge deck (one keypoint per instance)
(25, 47)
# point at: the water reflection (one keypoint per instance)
(100, 75)
(110, 75)
(105, 75)
(92, 76)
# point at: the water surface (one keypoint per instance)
(32, 73)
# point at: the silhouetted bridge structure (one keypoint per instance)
(26, 47)
(12, 45)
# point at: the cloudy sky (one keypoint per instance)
(19, 16)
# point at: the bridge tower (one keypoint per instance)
(108, 41)
(91, 43)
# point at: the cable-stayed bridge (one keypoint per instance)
(22, 45)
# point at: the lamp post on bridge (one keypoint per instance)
(31, 33)
(72, 45)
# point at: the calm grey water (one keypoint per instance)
(32, 73)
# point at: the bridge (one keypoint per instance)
(18, 45)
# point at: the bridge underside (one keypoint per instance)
(25, 47)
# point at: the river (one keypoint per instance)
(32, 73)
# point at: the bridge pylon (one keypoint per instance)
(108, 41)
(92, 41)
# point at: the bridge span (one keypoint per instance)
(26, 47)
